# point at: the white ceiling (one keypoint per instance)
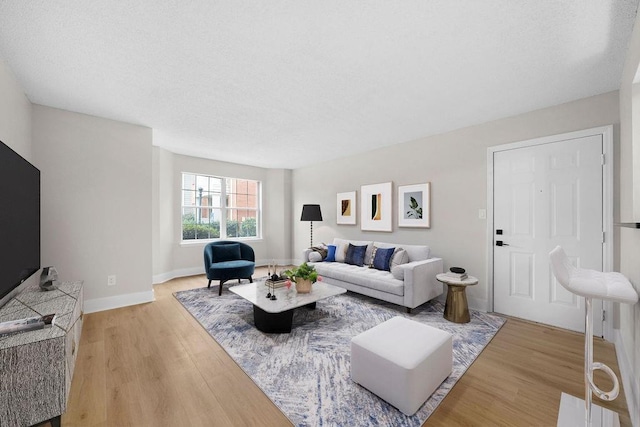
(287, 83)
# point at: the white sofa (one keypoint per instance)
(413, 285)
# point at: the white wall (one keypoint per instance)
(172, 258)
(278, 216)
(455, 164)
(164, 212)
(15, 114)
(96, 204)
(628, 342)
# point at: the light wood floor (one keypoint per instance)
(154, 365)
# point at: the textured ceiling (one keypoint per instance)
(287, 83)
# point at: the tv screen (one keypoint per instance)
(19, 220)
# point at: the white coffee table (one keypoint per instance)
(275, 316)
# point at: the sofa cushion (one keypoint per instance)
(222, 253)
(400, 256)
(355, 255)
(315, 256)
(321, 249)
(415, 252)
(345, 245)
(363, 276)
(341, 251)
(398, 272)
(381, 258)
(331, 253)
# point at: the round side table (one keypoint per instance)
(456, 309)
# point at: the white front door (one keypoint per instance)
(547, 195)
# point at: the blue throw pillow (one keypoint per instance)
(331, 253)
(355, 255)
(382, 258)
(222, 253)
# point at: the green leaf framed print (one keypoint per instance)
(414, 205)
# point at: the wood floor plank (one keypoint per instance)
(537, 363)
(154, 365)
(88, 386)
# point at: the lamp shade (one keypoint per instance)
(311, 213)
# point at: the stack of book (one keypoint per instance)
(458, 276)
(276, 283)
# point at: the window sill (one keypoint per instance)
(204, 242)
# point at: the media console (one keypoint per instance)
(36, 367)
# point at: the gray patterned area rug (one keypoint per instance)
(307, 373)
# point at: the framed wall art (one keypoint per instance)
(414, 205)
(375, 207)
(346, 208)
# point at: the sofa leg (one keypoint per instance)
(209, 285)
(220, 289)
(408, 310)
(250, 279)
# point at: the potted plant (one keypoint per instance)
(303, 276)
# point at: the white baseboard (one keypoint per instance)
(629, 380)
(194, 271)
(184, 272)
(108, 303)
(479, 304)
(279, 262)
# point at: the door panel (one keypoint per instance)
(522, 278)
(564, 209)
(546, 195)
(559, 295)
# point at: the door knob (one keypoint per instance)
(501, 243)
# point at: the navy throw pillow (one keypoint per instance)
(382, 259)
(355, 255)
(331, 253)
(222, 253)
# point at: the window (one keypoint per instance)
(219, 208)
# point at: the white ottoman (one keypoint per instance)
(402, 361)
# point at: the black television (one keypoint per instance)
(19, 221)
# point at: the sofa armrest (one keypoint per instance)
(305, 254)
(420, 284)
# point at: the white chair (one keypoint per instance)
(592, 284)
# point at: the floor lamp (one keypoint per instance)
(311, 213)
(590, 284)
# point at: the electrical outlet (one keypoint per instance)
(482, 214)
(111, 280)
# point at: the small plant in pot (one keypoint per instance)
(303, 276)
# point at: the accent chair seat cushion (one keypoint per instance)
(231, 269)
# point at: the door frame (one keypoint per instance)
(607, 206)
